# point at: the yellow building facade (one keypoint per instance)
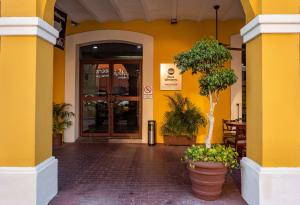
(33, 74)
(173, 40)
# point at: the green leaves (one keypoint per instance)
(217, 81)
(217, 153)
(205, 57)
(61, 117)
(183, 119)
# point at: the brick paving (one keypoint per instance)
(129, 174)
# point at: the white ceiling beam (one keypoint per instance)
(118, 10)
(86, 6)
(146, 9)
(174, 7)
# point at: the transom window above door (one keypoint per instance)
(111, 51)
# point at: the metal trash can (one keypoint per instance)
(151, 132)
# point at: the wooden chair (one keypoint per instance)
(239, 140)
(228, 131)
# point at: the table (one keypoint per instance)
(235, 123)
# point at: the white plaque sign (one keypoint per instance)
(170, 77)
(148, 92)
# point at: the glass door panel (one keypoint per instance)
(96, 80)
(95, 116)
(126, 116)
(126, 79)
(126, 89)
(95, 88)
(111, 98)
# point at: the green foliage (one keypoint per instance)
(183, 119)
(206, 56)
(61, 117)
(217, 81)
(217, 153)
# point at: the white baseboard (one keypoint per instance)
(29, 185)
(268, 185)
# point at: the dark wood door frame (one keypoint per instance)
(110, 98)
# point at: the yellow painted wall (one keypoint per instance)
(253, 8)
(17, 135)
(28, 8)
(26, 67)
(254, 99)
(168, 41)
(273, 85)
(281, 100)
(59, 76)
(273, 100)
(26, 117)
(44, 99)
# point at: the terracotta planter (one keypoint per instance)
(179, 140)
(57, 140)
(207, 179)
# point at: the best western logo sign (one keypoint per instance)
(170, 77)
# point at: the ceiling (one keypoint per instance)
(149, 10)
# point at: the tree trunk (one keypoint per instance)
(211, 121)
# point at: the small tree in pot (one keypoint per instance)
(208, 57)
(61, 121)
(182, 122)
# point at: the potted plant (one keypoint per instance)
(208, 57)
(182, 122)
(61, 121)
(208, 167)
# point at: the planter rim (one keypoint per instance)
(208, 164)
(179, 136)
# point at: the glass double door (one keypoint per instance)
(110, 98)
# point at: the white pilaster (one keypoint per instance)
(271, 23)
(29, 185)
(268, 185)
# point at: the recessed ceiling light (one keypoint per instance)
(95, 47)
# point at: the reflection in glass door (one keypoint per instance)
(111, 99)
(126, 88)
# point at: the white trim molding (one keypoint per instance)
(269, 185)
(236, 41)
(271, 23)
(74, 42)
(29, 185)
(28, 26)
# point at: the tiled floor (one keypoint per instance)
(128, 174)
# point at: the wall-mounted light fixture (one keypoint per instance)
(173, 21)
(73, 23)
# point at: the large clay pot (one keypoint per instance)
(207, 179)
(179, 140)
(57, 140)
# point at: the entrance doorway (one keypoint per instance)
(110, 93)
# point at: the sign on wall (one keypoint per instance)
(170, 77)
(60, 22)
(148, 92)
